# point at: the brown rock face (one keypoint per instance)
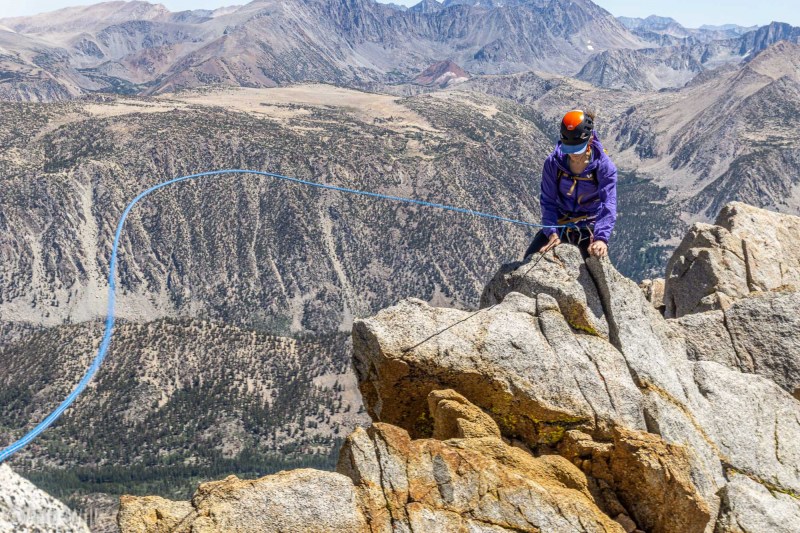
(473, 483)
(653, 480)
(151, 514)
(639, 473)
(467, 479)
(455, 418)
(299, 500)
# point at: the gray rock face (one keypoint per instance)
(749, 507)
(524, 361)
(759, 334)
(747, 249)
(562, 275)
(765, 331)
(705, 272)
(747, 268)
(26, 509)
(707, 338)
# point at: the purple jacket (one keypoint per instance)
(566, 197)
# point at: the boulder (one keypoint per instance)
(754, 425)
(299, 500)
(26, 509)
(747, 249)
(654, 292)
(454, 417)
(707, 271)
(478, 483)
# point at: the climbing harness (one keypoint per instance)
(112, 268)
(570, 224)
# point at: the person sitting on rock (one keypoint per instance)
(579, 187)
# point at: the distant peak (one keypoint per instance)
(426, 6)
(441, 74)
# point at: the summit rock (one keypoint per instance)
(702, 438)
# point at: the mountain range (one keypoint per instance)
(142, 48)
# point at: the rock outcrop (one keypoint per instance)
(465, 479)
(298, 500)
(734, 288)
(747, 249)
(661, 415)
(568, 402)
(26, 509)
(759, 334)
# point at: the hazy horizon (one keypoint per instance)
(689, 13)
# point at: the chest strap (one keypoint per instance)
(575, 179)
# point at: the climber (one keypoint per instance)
(579, 186)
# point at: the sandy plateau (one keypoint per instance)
(280, 103)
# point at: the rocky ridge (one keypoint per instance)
(141, 48)
(567, 402)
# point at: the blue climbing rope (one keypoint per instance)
(112, 266)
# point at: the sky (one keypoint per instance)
(690, 13)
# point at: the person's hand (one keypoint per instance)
(552, 243)
(598, 249)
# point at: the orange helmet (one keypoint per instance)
(576, 131)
